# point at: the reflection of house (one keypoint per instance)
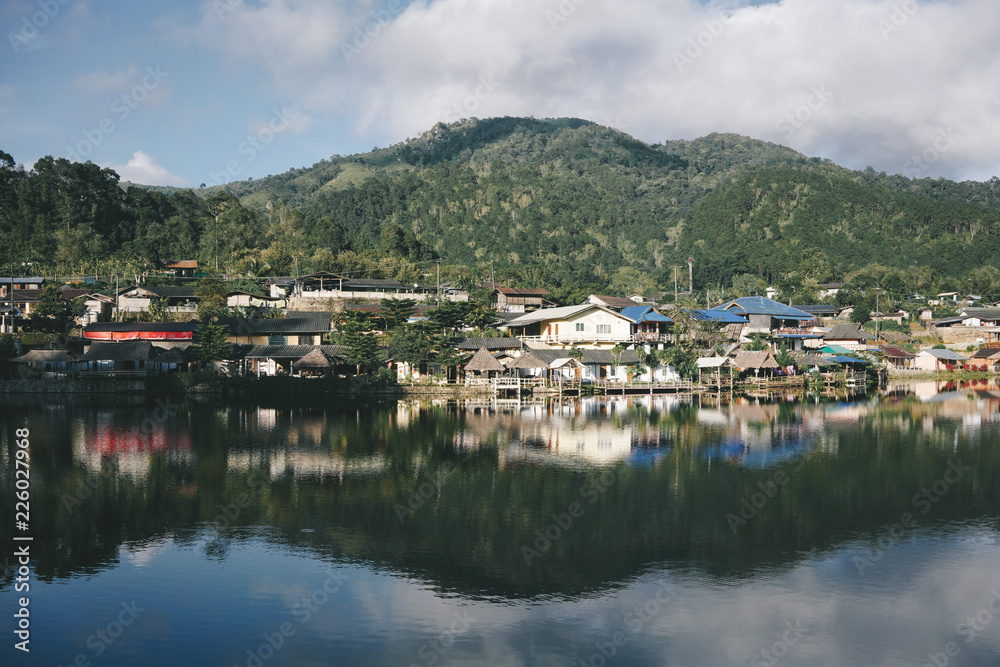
(585, 324)
(938, 360)
(518, 299)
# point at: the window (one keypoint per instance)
(603, 328)
(277, 340)
(579, 326)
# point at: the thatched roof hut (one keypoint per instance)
(484, 362)
(751, 360)
(313, 361)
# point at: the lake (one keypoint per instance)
(650, 530)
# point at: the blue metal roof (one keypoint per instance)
(644, 314)
(760, 305)
(716, 315)
(841, 359)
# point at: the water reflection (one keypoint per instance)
(433, 503)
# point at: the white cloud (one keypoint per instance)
(860, 81)
(144, 169)
(100, 82)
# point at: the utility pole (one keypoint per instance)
(438, 262)
(690, 275)
(675, 285)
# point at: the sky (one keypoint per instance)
(211, 91)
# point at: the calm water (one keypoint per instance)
(648, 531)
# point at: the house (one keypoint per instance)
(135, 357)
(49, 363)
(767, 317)
(280, 359)
(304, 329)
(610, 302)
(9, 284)
(848, 335)
(243, 299)
(898, 358)
(99, 308)
(181, 268)
(820, 311)
(167, 334)
(649, 326)
(979, 317)
(826, 290)
(518, 299)
(731, 323)
(758, 363)
(179, 300)
(503, 344)
(938, 360)
(985, 358)
(585, 325)
(326, 285)
(597, 365)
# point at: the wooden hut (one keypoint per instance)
(482, 362)
(315, 363)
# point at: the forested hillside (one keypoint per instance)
(564, 204)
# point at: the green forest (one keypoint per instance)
(563, 204)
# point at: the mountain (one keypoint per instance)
(554, 202)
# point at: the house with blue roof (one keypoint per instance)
(767, 317)
(648, 324)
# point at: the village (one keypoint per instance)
(606, 344)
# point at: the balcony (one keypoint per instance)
(574, 337)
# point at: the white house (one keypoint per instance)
(585, 325)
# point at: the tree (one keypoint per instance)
(158, 309)
(577, 353)
(395, 312)
(617, 351)
(783, 357)
(756, 344)
(211, 295)
(8, 350)
(54, 314)
(209, 343)
(356, 333)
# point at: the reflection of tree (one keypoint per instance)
(467, 534)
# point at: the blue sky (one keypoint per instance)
(193, 92)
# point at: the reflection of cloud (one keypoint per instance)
(143, 556)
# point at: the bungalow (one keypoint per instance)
(765, 316)
(758, 363)
(12, 284)
(597, 364)
(137, 299)
(242, 299)
(986, 358)
(586, 324)
(304, 329)
(49, 363)
(181, 268)
(135, 357)
(979, 317)
(518, 299)
(826, 290)
(897, 358)
(648, 324)
(848, 335)
(938, 360)
(499, 344)
(281, 359)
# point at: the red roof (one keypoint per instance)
(896, 353)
